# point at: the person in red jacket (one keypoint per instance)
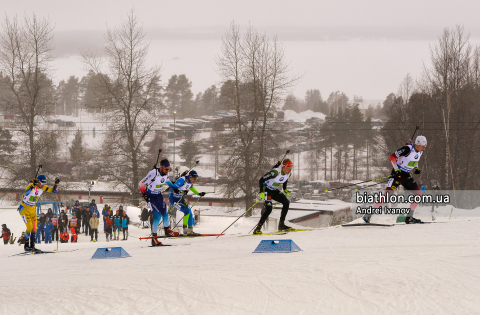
(5, 234)
(64, 236)
(109, 227)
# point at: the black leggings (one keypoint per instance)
(125, 230)
(277, 196)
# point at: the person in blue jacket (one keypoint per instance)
(48, 228)
(422, 186)
(125, 223)
(95, 210)
(38, 236)
(180, 189)
(117, 223)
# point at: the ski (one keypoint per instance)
(31, 252)
(180, 236)
(367, 224)
(282, 232)
(403, 223)
(162, 245)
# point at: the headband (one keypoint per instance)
(288, 164)
(166, 164)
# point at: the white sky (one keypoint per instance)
(358, 47)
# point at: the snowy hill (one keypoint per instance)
(405, 269)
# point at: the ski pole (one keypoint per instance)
(158, 156)
(240, 217)
(370, 185)
(370, 180)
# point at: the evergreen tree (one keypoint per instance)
(77, 152)
(189, 150)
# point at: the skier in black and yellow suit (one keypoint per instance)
(27, 207)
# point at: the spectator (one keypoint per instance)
(117, 222)
(144, 216)
(78, 214)
(120, 211)
(5, 234)
(48, 228)
(125, 223)
(64, 236)
(422, 187)
(76, 207)
(21, 240)
(95, 210)
(74, 237)
(63, 221)
(109, 227)
(55, 227)
(39, 234)
(86, 218)
(42, 221)
(49, 214)
(94, 223)
(73, 223)
(92, 203)
(84, 213)
(105, 214)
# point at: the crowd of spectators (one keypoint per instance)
(84, 220)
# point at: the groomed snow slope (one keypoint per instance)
(415, 269)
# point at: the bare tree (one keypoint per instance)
(127, 93)
(254, 70)
(25, 48)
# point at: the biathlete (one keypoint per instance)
(179, 190)
(269, 185)
(404, 161)
(151, 188)
(27, 207)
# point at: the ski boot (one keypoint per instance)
(366, 218)
(283, 227)
(155, 241)
(258, 229)
(169, 232)
(191, 233)
(32, 244)
(412, 220)
(26, 246)
(185, 230)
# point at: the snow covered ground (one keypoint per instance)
(414, 269)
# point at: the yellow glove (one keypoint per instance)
(262, 195)
(286, 192)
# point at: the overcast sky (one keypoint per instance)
(358, 47)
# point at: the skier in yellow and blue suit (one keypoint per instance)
(27, 207)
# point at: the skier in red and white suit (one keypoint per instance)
(404, 161)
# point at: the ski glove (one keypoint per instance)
(57, 181)
(287, 192)
(35, 182)
(202, 194)
(398, 172)
(417, 170)
(262, 195)
(147, 199)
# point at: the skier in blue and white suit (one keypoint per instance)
(180, 189)
(151, 188)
